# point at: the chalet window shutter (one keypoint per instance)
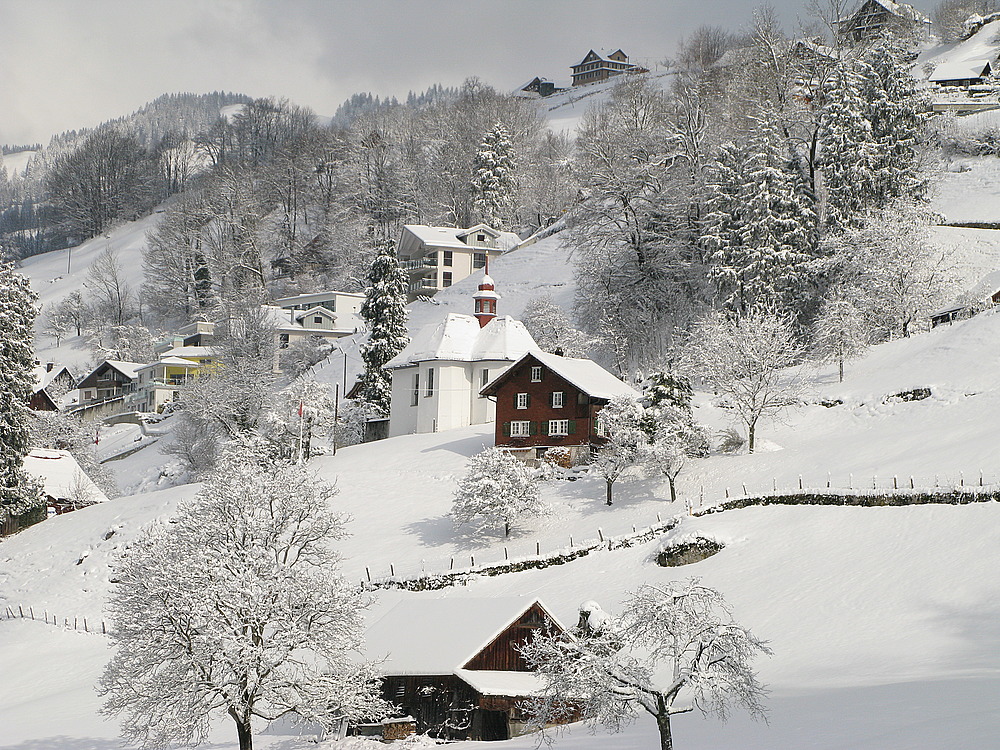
(571, 427)
(527, 399)
(506, 429)
(533, 428)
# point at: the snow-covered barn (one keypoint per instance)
(65, 485)
(454, 664)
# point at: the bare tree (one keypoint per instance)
(113, 298)
(675, 648)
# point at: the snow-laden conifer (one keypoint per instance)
(674, 648)
(498, 491)
(493, 184)
(237, 609)
(384, 309)
(19, 494)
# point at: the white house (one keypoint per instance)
(437, 257)
(343, 304)
(436, 379)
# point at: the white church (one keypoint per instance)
(436, 379)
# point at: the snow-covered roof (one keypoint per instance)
(44, 376)
(174, 361)
(585, 374)
(979, 294)
(507, 684)
(449, 236)
(61, 476)
(960, 70)
(189, 351)
(459, 338)
(440, 636)
(313, 310)
(128, 369)
(299, 299)
(603, 53)
(902, 10)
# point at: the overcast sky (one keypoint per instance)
(73, 63)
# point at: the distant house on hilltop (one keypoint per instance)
(600, 65)
(454, 664)
(876, 18)
(437, 377)
(434, 258)
(545, 401)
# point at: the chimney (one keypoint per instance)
(49, 366)
(486, 300)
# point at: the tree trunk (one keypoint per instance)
(673, 488)
(242, 730)
(841, 363)
(750, 436)
(608, 484)
(506, 529)
(663, 724)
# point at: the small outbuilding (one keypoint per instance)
(963, 73)
(65, 485)
(453, 665)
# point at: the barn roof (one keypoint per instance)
(61, 476)
(585, 374)
(960, 70)
(440, 636)
(498, 683)
(44, 377)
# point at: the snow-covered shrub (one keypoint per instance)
(731, 440)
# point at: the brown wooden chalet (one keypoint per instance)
(50, 377)
(874, 19)
(546, 401)
(453, 665)
(109, 380)
(600, 66)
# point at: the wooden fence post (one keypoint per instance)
(800, 481)
(911, 482)
(600, 534)
(368, 573)
(538, 549)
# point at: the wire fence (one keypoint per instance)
(79, 624)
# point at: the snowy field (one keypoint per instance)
(882, 620)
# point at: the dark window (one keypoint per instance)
(446, 278)
(416, 389)
(479, 260)
(317, 319)
(480, 238)
(430, 382)
(448, 257)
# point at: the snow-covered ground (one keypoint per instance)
(17, 163)
(882, 620)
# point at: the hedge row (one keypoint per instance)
(865, 500)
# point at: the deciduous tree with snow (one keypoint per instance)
(550, 327)
(621, 424)
(840, 332)
(745, 360)
(674, 439)
(498, 490)
(237, 609)
(674, 648)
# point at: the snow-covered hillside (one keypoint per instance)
(879, 617)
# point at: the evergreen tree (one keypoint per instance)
(385, 311)
(848, 158)
(761, 225)
(19, 495)
(493, 179)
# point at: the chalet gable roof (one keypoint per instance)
(441, 636)
(584, 374)
(483, 228)
(127, 369)
(316, 310)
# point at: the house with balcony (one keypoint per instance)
(545, 401)
(600, 65)
(434, 258)
(437, 377)
(110, 380)
(343, 305)
(159, 383)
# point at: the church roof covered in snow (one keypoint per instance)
(459, 338)
(441, 636)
